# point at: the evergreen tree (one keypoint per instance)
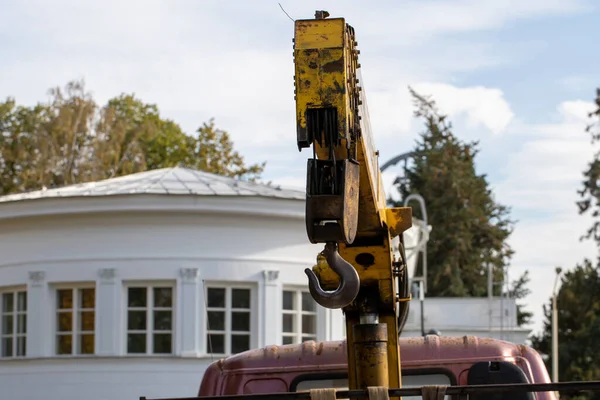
(470, 228)
(590, 192)
(578, 300)
(578, 309)
(519, 290)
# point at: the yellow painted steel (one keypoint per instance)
(327, 75)
(370, 349)
(320, 50)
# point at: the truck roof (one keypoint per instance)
(415, 352)
(277, 369)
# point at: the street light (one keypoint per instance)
(417, 283)
(555, 329)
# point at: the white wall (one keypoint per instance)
(112, 249)
(101, 378)
(467, 316)
(185, 248)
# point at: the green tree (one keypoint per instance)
(470, 228)
(24, 151)
(133, 137)
(15, 145)
(578, 309)
(519, 291)
(213, 151)
(590, 192)
(578, 302)
(64, 136)
(71, 139)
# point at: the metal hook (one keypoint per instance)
(349, 280)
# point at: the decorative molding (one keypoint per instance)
(271, 275)
(168, 258)
(189, 275)
(107, 275)
(291, 209)
(190, 354)
(37, 278)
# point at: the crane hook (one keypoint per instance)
(349, 280)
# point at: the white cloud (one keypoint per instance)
(187, 58)
(576, 111)
(388, 177)
(390, 112)
(295, 182)
(544, 174)
(482, 106)
(408, 21)
(233, 61)
(578, 83)
(541, 180)
(542, 245)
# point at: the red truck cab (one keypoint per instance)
(429, 360)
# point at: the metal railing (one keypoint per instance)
(416, 391)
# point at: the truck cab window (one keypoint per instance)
(408, 380)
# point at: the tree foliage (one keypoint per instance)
(590, 191)
(578, 309)
(213, 151)
(470, 228)
(519, 290)
(71, 139)
(578, 300)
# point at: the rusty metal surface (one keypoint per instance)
(370, 352)
(454, 354)
(332, 117)
(332, 215)
(416, 351)
(398, 219)
(540, 389)
(349, 280)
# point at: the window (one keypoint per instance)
(13, 324)
(75, 320)
(150, 319)
(229, 324)
(299, 317)
(410, 379)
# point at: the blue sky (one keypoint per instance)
(517, 76)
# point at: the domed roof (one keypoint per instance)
(166, 181)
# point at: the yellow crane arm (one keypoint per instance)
(345, 201)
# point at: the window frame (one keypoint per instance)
(406, 372)
(75, 331)
(149, 308)
(228, 332)
(15, 312)
(298, 312)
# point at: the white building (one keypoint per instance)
(491, 318)
(106, 287)
(131, 286)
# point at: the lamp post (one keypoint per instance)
(418, 285)
(422, 301)
(555, 328)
